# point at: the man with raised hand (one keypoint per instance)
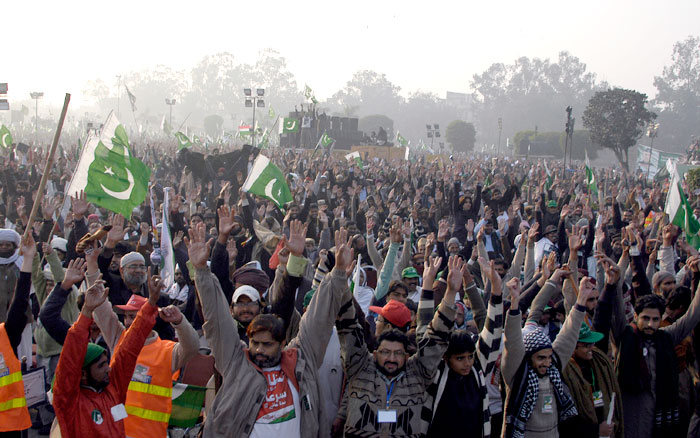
(387, 390)
(270, 389)
(89, 391)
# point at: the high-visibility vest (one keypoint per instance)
(13, 405)
(149, 398)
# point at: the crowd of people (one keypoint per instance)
(481, 296)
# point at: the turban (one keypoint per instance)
(252, 277)
(130, 258)
(7, 235)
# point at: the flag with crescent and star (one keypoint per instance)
(5, 137)
(267, 180)
(108, 172)
(290, 125)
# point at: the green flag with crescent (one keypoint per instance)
(183, 141)
(290, 125)
(108, 172)
(5, 137)
(267, 180)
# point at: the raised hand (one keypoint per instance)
(454, 277)
(560, 275)
(513, 286)
(370, 224)
(226, 222)
(532, 233)
(343, 250)
(116, 234)
(155, 287)
(46, 249)
(170, 314)
(443, 230)
(177, 238)
(430, 270)
(575, 237)
(496, 281)
(485, 266)
(27, 247)
(48, 207)
(80, 205)
(297, 237)
(197, 247)
(469, 226)
(75, 272)
(94, 297)
(395, 232)
(585, 289)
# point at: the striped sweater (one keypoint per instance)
(487, 352)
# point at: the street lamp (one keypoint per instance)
(433, 133)
(256, 101)
(170, 103)
(36, 95)
(652, 133)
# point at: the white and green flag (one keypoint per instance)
(108, 173)
(355, 275)
(5, 137)
(264, 139)
(245, 130)
(400, 139)
(325, 141)
(355, 156)
(165, 126)
(290, 125)
(590, 178)
(183, 141)
(679, 210)
(271, 113)
(167, 256)
(266, 180)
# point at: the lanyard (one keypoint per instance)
(388, 394)
(592, 379)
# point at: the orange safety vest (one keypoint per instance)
(149, 398)
(14, 415)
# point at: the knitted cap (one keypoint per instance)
(535, 340)
(660, 277)
(131, 258)
(93, 353)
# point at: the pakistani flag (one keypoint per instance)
(324, 141)
(355, 156)
(108, 173)
(400, 139)
(5, 137)
(548, 182)
(132, 99)
(165, 126)
(355, 275)
(264, 139)
(167, 256)
(680, 212)
(183, 141)
(290, 125)
(590, 178)
(266, 180)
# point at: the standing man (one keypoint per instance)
(89, 393)
(272, 388)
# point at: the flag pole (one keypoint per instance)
(47, 167)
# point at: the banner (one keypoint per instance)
(652, 160)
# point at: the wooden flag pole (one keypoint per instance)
(49, 162)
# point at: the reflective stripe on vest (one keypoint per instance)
(149, 396)
(148, 414)
(13, 405)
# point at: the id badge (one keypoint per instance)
(386, 416)
(547, 407)
(119, 412)
(598, 399)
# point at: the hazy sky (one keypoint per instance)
(56, 46)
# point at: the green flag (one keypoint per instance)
(308, 92)
(165, 126)
(108, 172)
(590, 178)
(356, 157)
(5, 137)
(183, 141)
(290, 125)
(324, 141)
(266, 180)
(400, 139)
(264, 140)
(187, 404)
(680, 212)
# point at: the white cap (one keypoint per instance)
(248, 291)
(59, 243)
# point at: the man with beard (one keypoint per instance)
(89, 391)
(131, 279)
(10, 262)
(386, 390)
(156, 363)
(270, 389)
(647, 367)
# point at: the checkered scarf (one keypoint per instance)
(534, 341)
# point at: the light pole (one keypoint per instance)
(433, 133)
(170, 103)
(256, 101)
(36, 95)
(652, 133)
(500, 129)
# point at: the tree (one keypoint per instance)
(678, 96)
(616, 119)
(461, 135)
(374, 122)
(372, 92)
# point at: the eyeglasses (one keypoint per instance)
(136, 267)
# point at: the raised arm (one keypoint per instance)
(565, 342)
(513, 346)
(489, 342)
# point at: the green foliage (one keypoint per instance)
(692, 177)
(372, 123)
(520, 141)
(581, 142)
(544, 144)
(461, 135)
(616, 119)
(213, 125)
